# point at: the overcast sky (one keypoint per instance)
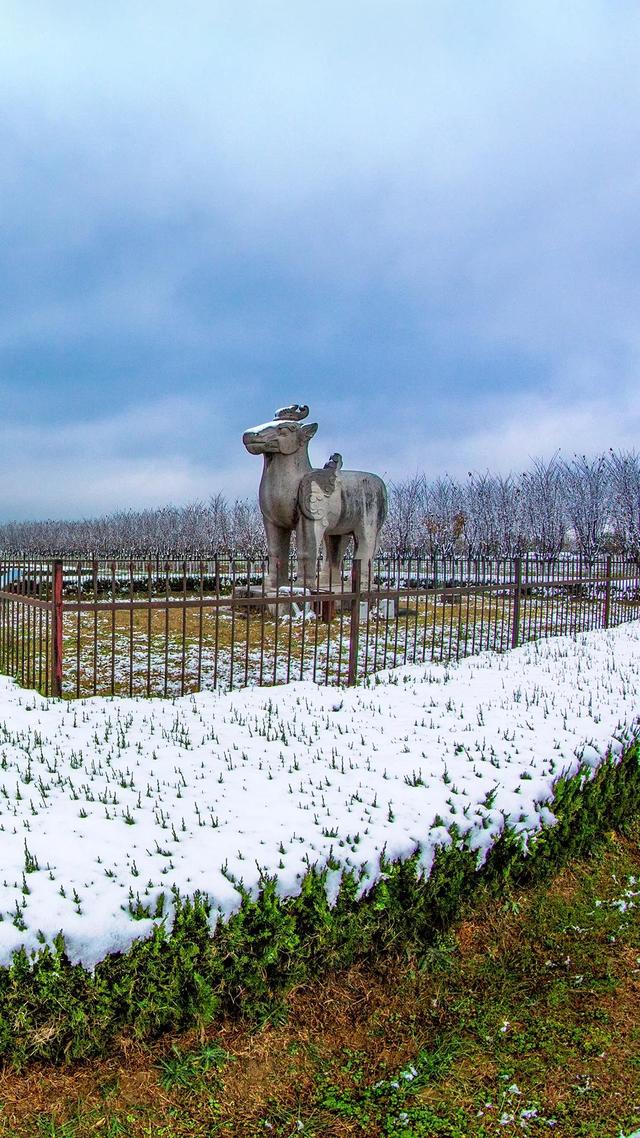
(420, 217)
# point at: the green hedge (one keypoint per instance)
(51, 1009)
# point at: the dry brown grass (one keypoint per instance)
(571, 1046)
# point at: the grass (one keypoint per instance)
(523, 1019)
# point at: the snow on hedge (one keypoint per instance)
(107, 804)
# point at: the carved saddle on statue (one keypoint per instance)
(319, 496)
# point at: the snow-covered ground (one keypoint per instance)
(106, 804)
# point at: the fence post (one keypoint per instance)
(56, 631)
(354, 633)
(515, 631)
(607, 593)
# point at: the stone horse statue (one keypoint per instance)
(330, 505)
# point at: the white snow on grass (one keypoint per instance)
(108, 804)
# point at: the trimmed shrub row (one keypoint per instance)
(53, 1010)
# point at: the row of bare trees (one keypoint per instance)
(587, 504)
(215, 526)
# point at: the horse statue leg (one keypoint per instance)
(309, 535)
(278, 545)
(336, 546)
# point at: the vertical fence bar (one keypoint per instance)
(574, 593)
(42, 681)
(457, 593)
(316, 634)
(303, 629)
(552, 605)
(13, 630)
(247, 624)
(216, 627)
(515, 631)
(335, 585)
(56, 631)
(276, 627)
(47, 592)
(354, 631)
(606, 616)
(263, 617)
(131, 626)
(524, 600)
(3, 613)
(566, 612)
(183, 630)
(334, 644)
(407, 610)
(167, 602)
(485, 599)
(527, 606)
(78, 622)
(469, 585)
(113, 628)
(390, 613)
(94, 581)
(149, 616)
(497, 629)
(426, 586)
(200, 625)
(368, 620)
(289, 612)
(26, 642)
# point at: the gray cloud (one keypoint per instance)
(232, 205)
(136, 456)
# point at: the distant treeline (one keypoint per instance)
(586, 504)
(589, 505)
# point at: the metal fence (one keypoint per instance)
(161, 627)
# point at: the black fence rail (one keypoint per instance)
(165, 627)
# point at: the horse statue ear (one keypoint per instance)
(308, 431)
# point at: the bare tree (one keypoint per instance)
(624, 472)
(510, 522)
(444, 521)
(217, 533)
(544, 506)
(497, 518)
(247, 529)
(588, 501)
(481, 529)
(403, 530)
